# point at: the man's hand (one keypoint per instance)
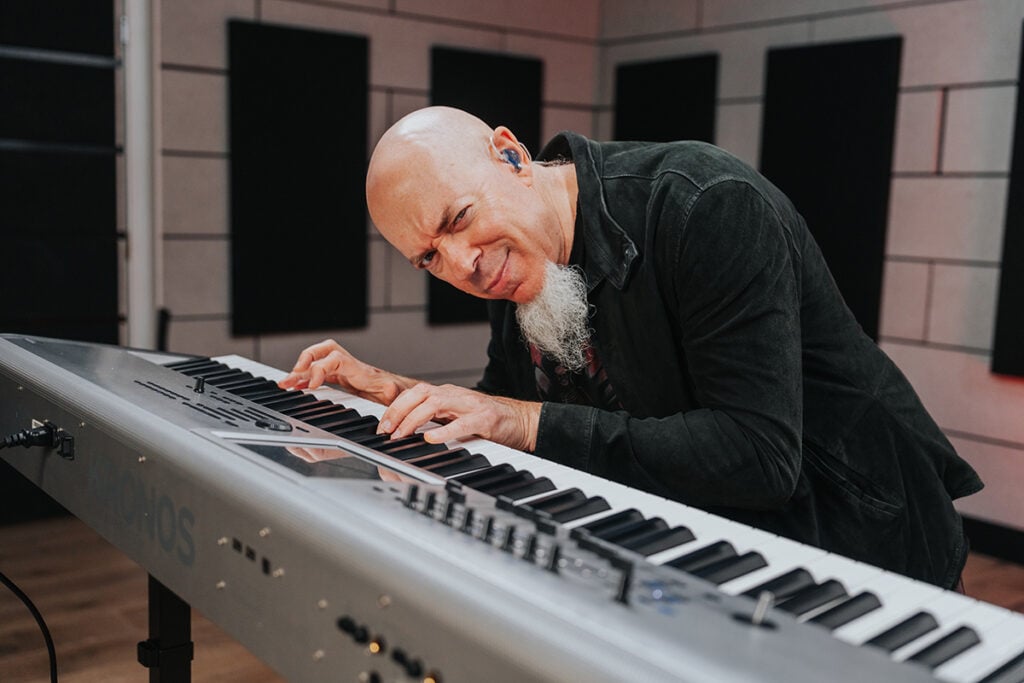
(465, 413)
(329, 362)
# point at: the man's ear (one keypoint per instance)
(510, 151)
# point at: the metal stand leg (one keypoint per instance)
(168, 652)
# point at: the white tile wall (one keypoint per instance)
(904, 297)
(399, 46)
(727, 12)
(738, 129)
(570, 69)
(955, 218)
(557, 119)
(196, 276)
(398, 341)
(195, 195)
(195, 33)
(194, 113)
(917, 131)
(207, 338)
(963, 305)
(951, 42)
(1002, 470)
(578, 18)
(979, 129)
(960, 391)
(623, 18)
(742, 56)
(387, 107)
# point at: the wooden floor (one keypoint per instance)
(94, 601)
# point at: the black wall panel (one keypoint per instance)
(83, 26)
(298, 103)
(58, 190)
(671, 99)
(827, 139)
(1008, 343)
(58, 216)
(53, 102)
(503, 91)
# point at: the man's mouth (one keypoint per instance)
(502, 269)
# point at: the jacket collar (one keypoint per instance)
(609, 252)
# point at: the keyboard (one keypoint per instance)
(327, 548)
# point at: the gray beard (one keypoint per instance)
(555, 321)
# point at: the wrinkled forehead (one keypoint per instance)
(410, 190)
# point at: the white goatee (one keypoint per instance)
(555, 321)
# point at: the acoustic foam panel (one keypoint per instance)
(502, 90)
(298, 119)
(1008, 341)
(56, 103)
(827, 140)
(82, 26)
(665, 100)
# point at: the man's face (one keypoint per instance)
(479, 226)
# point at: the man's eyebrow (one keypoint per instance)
(446, 219)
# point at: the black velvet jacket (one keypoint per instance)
(749, 389)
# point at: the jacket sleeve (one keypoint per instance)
(733, 287)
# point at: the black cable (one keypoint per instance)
(39, 620)
(45, 435)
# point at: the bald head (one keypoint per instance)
(429, 143)
(465, 202)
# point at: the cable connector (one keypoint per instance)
(45, 435)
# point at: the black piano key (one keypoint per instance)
(391, 444)
(293, 401)
(435, 459)
(237, 378)
(658, 540)
(473, 463)
(946, 647)
(607, 522)
(331, 417)
(1010, 672)
(624, 532)
(909, 629)
(783, 586)
(555, 500)
(731, 568)
(471, 479)
(255, 396)
(531, 488)
(263, 386)
(496, 487)
(703, 557)
(591, 506)
(414, 451)
(187, 363)
(311, 410)
(369, 439)
(847, 611)
(355, 430)
(813, 597)
(243, 381)
(214, 374)
(200, 367)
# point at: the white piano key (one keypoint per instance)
(953, 611)
(1003, 635)
(901, 598)
(781, 554)
(851, 573)
(1000, 642)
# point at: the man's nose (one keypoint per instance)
(461, 258)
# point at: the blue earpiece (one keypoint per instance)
(512, 157)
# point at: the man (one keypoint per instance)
(661, 317)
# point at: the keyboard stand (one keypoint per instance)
(169, 651)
